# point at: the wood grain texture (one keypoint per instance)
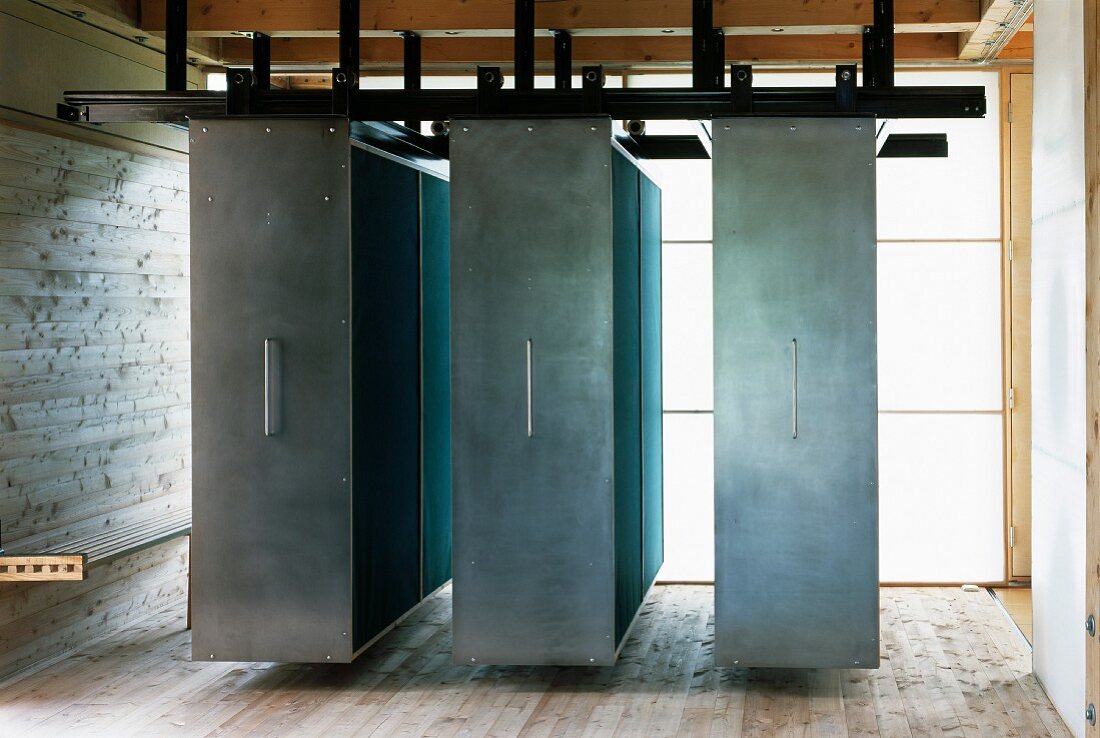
(1091, 28)
(952, 665)
(1018, 321)
(95, 406)
(318, 17)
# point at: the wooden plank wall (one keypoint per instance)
(94, 378)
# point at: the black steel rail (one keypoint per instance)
(641, 103)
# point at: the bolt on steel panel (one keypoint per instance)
(795, 415)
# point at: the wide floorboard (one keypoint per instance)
(952, 665)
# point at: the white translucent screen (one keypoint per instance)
(941, 498)
(939, 326)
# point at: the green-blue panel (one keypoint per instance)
(627, 395)
(385, 258)
(653, 533)
(435, 259)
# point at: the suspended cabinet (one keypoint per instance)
(320, 389)
(556, 390)
(795, 395)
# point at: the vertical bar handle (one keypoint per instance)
(272, 386)
(530, 388)
(794, 388)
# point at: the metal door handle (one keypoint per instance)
(530, 388)
(272, 382)
(794, 388)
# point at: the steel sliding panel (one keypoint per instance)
(271, 551)
(531, 347)
(796, 487)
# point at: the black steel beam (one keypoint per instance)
(718, 58)
(878, 47)
(884, 22)
(525, 45)
(563, 60)
(175, 45)
(702, 43)
(621, 104)
(412, 68)
(349, 39)
(261, 60)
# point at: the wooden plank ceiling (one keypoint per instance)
(617, 33)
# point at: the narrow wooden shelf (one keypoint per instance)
(43, 568)
(56, 563)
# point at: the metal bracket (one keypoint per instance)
(240, 86)
(592, 89)
(563, 60)
(845, 88)
(489, 82)
(878, 47)
(741, 87)
(718, 58)
(342, 85)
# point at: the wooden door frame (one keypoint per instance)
(1022, 394)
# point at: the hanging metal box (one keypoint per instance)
(556, 390)
(320, 389)
(795, 400)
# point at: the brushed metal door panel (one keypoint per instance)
(271, 551)
(531, 242)
(796, 476)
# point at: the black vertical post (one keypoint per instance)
(563, 60)
(525, 44)
(702, 41)
(261, 61)
(870, 71)
(349, 38)
(412, 68)
(718, 58)
(175, 47)
(878, 47)
(884, 21)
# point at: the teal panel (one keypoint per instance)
(653, 533)
(627, 395)
(385, 265)
(435, 245)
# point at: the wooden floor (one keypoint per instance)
(952, 666)
(1017, 603)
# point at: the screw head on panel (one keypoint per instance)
(1090, 714)
(205, 129)
(473, 660)
(332, 130)
(1090, 625)
(846, 75)
(794, 128)
(210, 198)
(268, 130)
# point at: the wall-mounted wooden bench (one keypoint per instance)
(70, 560)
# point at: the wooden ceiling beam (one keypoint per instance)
(386, 53)
(120, 17)
(996, 19)
(321, 17)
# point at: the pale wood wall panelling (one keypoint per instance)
(94, 379)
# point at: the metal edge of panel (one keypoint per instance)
(426, 154)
